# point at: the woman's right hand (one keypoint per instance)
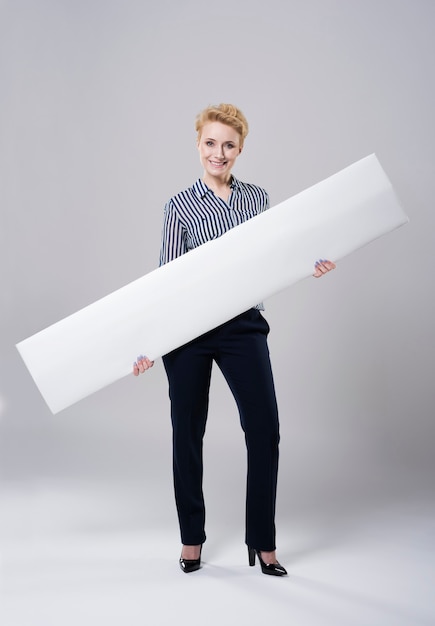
(141, 365)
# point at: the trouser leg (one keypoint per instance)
(189, 370)
(244, 360)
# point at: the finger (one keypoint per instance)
(140, 364)
(319, 269)
(135, 369)
(322, 267)
(143, 363)
(327, 264)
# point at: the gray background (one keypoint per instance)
(98, 101)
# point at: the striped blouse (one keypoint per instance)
(197, 215)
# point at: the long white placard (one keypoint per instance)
(211, 284)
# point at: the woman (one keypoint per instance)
(213, 205)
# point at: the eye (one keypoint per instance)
(208, 143)
(230, 146)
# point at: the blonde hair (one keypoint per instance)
(226, 114)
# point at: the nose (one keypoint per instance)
(219, 151)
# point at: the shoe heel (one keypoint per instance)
(251, 556)
(275, 569)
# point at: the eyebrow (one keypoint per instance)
(213, 139)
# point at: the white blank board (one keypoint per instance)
(211, 284)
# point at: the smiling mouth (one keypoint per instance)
(217, 163)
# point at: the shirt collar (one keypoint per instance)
(235, 184)
(201, 189)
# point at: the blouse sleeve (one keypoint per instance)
(173, 236)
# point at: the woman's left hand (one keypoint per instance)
(322, 267)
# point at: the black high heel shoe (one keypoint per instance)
(274, 569)
(190, 565)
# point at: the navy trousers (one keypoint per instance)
(239, 347)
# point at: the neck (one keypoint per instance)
(215, 182)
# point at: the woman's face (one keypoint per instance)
(219, 146)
